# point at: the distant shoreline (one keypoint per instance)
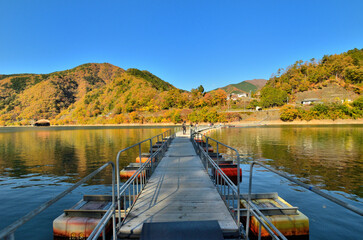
(236, 124)
(99, 125)
(299, 122)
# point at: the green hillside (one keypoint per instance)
(154, 80)
(245, 87)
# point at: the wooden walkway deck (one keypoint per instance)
(179, 190)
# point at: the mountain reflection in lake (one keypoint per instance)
(329, 157)
(36, 164)
(66, 151)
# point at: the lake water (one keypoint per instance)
(328, 157)
(38, 163)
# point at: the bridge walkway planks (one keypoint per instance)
(179, 190)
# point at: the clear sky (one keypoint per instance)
(184, 42)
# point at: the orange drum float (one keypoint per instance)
(144, 158)
(130, 170)
(219, 159)
(226, 166)
(231, 171)
(287, 219)
(79, 221)
(204, 145)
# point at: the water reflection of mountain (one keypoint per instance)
(73, 153)
(329, 157)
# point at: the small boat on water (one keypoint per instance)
(42, 123)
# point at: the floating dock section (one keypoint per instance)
(179, 190)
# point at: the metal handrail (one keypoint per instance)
(142, 174)
(219, 177)
(266, 223)
(251, 207)
(8, 232)
(271, 229)
(308, 187)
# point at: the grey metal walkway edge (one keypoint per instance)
(179, 190)
(192, 230)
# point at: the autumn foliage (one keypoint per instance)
(99, 94)
(106, 94)
(344, 69)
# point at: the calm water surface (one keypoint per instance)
(36, 164)
(328, 157)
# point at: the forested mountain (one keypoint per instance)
(99, 93)
(80, 93)
(245, 86)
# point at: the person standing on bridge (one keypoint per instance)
(184, 127)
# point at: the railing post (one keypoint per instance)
(238, 189)
(132, 192)
(217, 153)
(207, 152)
(113, 202)
(137, 183)
(217, 177)
(259, 232)
(118, 187)
(103, 234)
(125, 208)
(151, 147)
(10, 236)
(249, 200)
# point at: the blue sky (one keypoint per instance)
(187, 43)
